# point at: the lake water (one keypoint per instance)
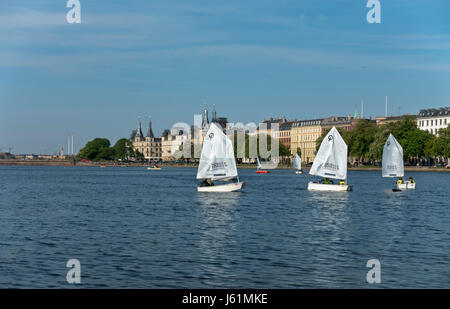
(133, 228)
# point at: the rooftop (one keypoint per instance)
(433, 112)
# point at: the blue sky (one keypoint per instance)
(251, 59)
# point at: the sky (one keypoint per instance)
(251, 59)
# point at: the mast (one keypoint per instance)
(386, 108)
(362, 109)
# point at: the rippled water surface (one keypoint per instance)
(133, 228)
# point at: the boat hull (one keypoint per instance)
(405, 186)
(229, 187)
(299, 172)
(262, 172)
(312, 186)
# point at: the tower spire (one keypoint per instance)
(205, 121)
(139, 129)
(150, 131)
(214, 118)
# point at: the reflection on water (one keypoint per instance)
(217, 225)
(329, 208)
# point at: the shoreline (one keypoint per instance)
(8, 162)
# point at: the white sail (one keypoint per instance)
(217, 159)
(392, 161)
(297, 162)
(331, 159)
(258, 164)
(267, 165)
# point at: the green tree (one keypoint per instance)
(441, 145)
(376, 147)
(139, 156)
(415, 143)
(360, 138)
(105, 154)
(123, 149)
(92, 148)
(284, 150)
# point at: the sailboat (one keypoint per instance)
(392, 163)
(331, 162)
(259, 169)
(154, 168)
(217, 163)
(297, 164)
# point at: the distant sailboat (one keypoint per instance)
(259, 169)
(330, 162)
(154, 168)
(392, 164)
(217, 162)
(297, 164)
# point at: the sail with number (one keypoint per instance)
(217, 159)
(331, 159)
(392, 161)
(297, 162)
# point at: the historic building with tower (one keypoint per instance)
(198, 133)
(149, 145)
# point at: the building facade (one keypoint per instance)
(345, 123)
(267, 127)
(171, 143)
(304, 134)
(149, 146)
(383, 120)
(432, 119)
(284, 134)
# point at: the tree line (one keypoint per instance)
(366, 141)
(99, 149)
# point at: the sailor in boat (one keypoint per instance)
(400, 181)
(326, 181)
(342, 182)
(411, 180)
(206, 183)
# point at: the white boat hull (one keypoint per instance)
(229, 187)
(405, 186)
(313, 186)
(299, 172)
